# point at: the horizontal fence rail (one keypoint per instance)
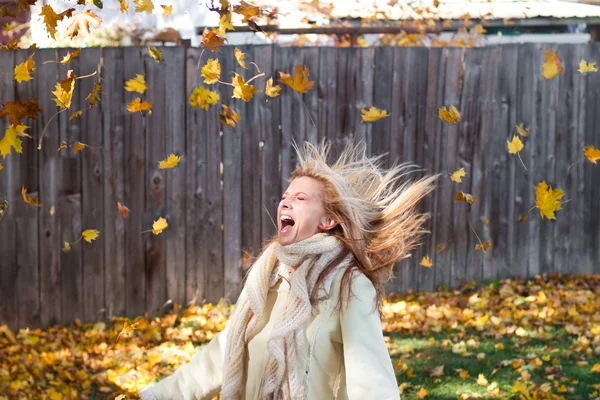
(220, 201)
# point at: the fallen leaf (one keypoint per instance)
(90, 234)
(170, 162)
(137, 84)
(229, 117)
(159, 225)
(372, 114)
(422, 393)
(457, 175)
(211, 71)
(34, 201)
(437, 371)
(300, 82)
(481, 380)
(547, 200)
(450, 116)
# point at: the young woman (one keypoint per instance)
(307, 324)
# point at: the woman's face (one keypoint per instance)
(301, 212)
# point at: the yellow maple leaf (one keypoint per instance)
(144, 5)
(522, 131)
(203, 97)
(34, 201)
(137, 84)
(211, 39)
(426, 262)
(64, 91)
(483, 246)
(23, 71)
(592, 154)
(460, 196)
(75, 114)
(90, 234)
(124, 6)
(553, 66)
(451, 115)
(229, 117)
(170, 162)
(79, 147)
(247, 10)
(211, 71)
(156, 54)
(372, 114)
(585, 67)
(300, 82)
(70, 56)
(11, 139)
(547, 200)
(457, 175)
(596, 368)
(137, 105)
(159, 225)
(167, 10)
(51, 18)
(241, 89)
(270, 90)
(225, 23)
(1, 167)
(239, 56)
(481, 380)
(422, 393)
(515, 145)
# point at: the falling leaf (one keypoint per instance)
(585, 67)
(70, 56)
(229, 117)
(481, 380)
(156, 54)
(522, 218)
(1, 167)
(211, 40)
(270, 90)
(137, 105)
(124, 211)
(426, 262)
(23, 71)
(457, 175)
(225, 23)
(450, 116)
(372, 114)
(124, 6)
(78, 146)
(90, 234)
(167, 10)
(94, 97)
(170, 162)
(592, 153)
(144, 6)
(67, 247)
(239, 56)
(300, 82)
(469, 198)
(422, 393)
(211, 71)
(159, 225)
(51, 18)
(486, 220)
(62, 145)
(64, 91)
(11, 139)
(483, 246)
(203, 98)
(75, 114)
(127, 327)
(16, 110)
(441, 247)
(515, 145)
(547, 200)
(241, 89)
(34, 201)
(137, 84)
(522, 131)
(83, 22)
(247, 10)
(553, 66)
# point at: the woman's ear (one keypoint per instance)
(327, 223)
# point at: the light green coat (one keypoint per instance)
(345, 354)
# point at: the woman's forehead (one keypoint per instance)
(304, 185)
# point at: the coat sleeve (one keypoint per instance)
(369, 370)
(200, 379)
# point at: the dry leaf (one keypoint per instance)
(585, 67)
(170, 162)
(522, 131)
(67, 247)
(137, 105)
(422, 393)
(440, 247)
(211, 39)
(79, 147)
(515, 145)
(211, 71)
(592, 153)
(159, 225)
(483, 246)
(137, 84)
(553, 66)
(124, 211)
(203, 97)
(17, 110)
(300, 82)
(229, 117)
(239, 56)
(124, 6)
(437, 371)
(83, 22)
(144, 6)
(11, 139)
(270, 90)
(156, 54)
(426, 262)
(469, 198)
(62, 145)
(450, 116)
(372, 114)
(90, 234)
(247, 10)
(522, 218)
(94, 97)
(75, 114)
(51, 18)
(457, 175)
(225, 23)
(23, 71)
(547, 200)
(481, 380)
(34, 201)
(167, 10)
(241, 89)
(70, 56)
(64, 91)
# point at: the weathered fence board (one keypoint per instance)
(222, 198)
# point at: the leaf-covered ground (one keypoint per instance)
(537, 339)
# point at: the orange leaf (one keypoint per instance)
(300, 82)
(229, 117)
(203, 97)
(483, 246)
(553, 66)
(79, 147)
(469, 198)
(34, 201)
(51, 18)
(17, 110)
(592, 154)
(241, 89)
(426, 262)
(137, 105)
(211, 39)
(246, 10)
(450, 116)
(124, 211)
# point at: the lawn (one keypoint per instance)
(536, 339)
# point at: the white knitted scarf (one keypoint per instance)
(248, 317)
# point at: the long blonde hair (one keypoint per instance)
(378, 218)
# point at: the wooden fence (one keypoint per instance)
(222, 197)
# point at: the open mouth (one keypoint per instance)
(286, 223)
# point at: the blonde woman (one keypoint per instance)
(307, 324)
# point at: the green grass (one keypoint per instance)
(426, 355)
